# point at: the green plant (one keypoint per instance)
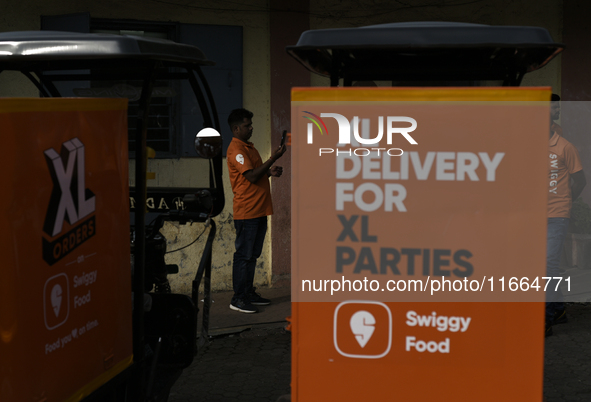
(580, 216)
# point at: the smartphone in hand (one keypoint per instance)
(283, 137)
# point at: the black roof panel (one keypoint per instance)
(427, 35)
(425, 51)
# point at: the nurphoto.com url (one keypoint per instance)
(435, 285)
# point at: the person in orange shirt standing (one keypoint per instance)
(249, 178)
(564, 168)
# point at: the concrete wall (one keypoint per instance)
(287, 24)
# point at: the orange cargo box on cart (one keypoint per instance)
(65, 302)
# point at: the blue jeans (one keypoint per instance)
(557, 228)
(250, 236)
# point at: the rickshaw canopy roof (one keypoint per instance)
(425, 51)
(19, 49)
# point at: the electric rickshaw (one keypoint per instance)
(152, 74)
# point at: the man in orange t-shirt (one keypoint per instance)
(566, 181)
(249, 178)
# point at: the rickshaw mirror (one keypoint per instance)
(208, 143)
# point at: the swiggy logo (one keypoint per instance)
(362, 329)
(56, 301)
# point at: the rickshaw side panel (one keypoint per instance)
(65, 305)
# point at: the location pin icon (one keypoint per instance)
(56, 299)
(362, 325)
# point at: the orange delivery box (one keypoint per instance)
(418, 241)
(65, 293)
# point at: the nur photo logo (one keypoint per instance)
(357, 132)
(314, 119)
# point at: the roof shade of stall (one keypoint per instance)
(426, 52)
(52, 47)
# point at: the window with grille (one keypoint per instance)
(175, 116)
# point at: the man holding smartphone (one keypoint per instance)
(249, 178)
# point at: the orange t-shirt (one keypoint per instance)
(555, 128)
(564, 160)
(251, 200)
